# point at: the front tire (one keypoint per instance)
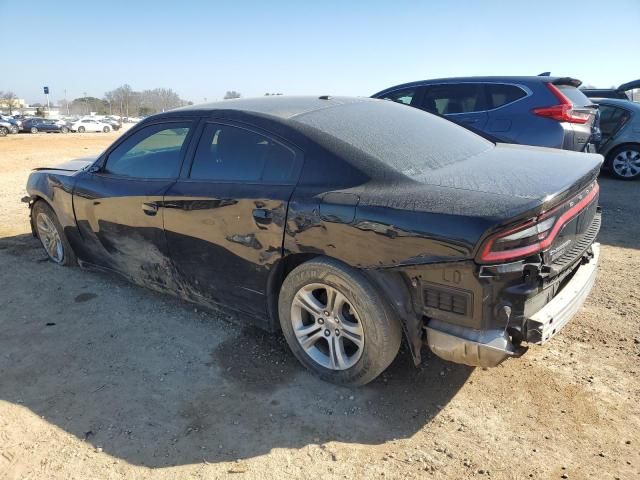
(337, 324)
(624, 162)
(4, 131)
(64, 130)
(106, 129)
(34, 130)
(14, 129)
(51, 235)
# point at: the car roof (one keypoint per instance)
(489, 79)
(618, 102)
(279, 106)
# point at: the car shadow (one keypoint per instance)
(156, 382)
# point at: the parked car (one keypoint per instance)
(31, 124)
(620, 92)
(15, 125)
(344, 222)
(90, 125)
(541, 110)
(620, 145)
(113, 123)
(5, 128)
(37, 125)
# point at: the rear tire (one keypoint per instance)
(64, 130)
(51, 235)
(624, 162)
(34, 130)
(337, 324)
(14, 129)
(4, 131)
(106, 129)
(80, 129)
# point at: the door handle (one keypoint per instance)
(150, 208)
(262, 216)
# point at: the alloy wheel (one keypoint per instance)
(627, 163)
(327, 326)
(48, 234)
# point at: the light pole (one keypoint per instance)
(86, 101)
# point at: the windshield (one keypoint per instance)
(406, 139)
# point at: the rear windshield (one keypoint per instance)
(576, 97)
(404, 138)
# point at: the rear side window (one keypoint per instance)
(454, 98)
(401, 96)
(232, 154)
(612, 119)
(500, 95)
(574, 95)
(152, 152)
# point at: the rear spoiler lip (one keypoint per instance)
(572, 82)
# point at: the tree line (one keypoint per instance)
(126, 102)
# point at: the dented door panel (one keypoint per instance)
(225, 238)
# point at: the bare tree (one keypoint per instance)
(231, 94)
(10, 100)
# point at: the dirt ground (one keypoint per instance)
(102, 379)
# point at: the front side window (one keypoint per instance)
(232, 154)
(454, 98)
(152, 152)
(401, 96)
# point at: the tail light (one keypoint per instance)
(532, 236)
(564, 111)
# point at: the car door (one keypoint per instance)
(118, 202)
(463, 103)
(612, 119)
(225, 217)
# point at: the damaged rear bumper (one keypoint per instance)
(489, 348)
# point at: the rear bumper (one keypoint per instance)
(489, 348)
(552, 318)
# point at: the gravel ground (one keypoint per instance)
(102, 379)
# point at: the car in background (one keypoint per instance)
(346, 223)
(113, 123)
(16, 124)
(5, 128)
(534, 110)
(90, 125)
(37, 124)
(620, 92)
(31, 124)
(620, 144)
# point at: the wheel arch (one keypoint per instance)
(615, 148)
(393, 286)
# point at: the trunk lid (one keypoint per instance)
(544, 175)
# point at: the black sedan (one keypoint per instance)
(36, 125)
(345, 223)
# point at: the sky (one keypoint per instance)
(201, 49)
